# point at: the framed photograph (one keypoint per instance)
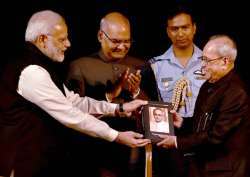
(156, 120)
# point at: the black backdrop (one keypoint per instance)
(147, 21)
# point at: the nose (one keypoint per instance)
(67, 43)
(123, 46)
(180, 32)
(204, 64)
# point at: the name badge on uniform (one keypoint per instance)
(165, 82)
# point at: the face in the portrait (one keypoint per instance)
(158, 114)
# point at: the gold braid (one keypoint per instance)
(181, 90)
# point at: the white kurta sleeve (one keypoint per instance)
(90, 105)
(36, 85)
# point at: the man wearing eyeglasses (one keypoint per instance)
(219, 141)
(112, 75)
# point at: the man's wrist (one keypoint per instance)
(119, 110)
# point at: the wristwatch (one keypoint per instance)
(121, 107)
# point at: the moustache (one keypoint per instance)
(116, 49)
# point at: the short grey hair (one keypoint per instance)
(41, 23)
(227, 47)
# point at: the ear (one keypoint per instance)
(226, 60)
(41, 40)
(194, 26)
(99, 35)
(167, 30)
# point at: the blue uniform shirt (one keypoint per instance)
(168, 70)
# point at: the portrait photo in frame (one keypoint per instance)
(157, 120)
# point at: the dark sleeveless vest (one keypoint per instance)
(26, 131)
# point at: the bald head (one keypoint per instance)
(221, 45)
(114, 22)
(42, 22)
(219, 56)
(114, 36)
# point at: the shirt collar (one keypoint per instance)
(169, 54)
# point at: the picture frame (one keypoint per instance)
(157, 120)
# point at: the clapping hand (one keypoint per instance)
(133, 82)
(119, 85)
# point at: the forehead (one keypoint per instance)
(118, 30)
(180, 20)
(60, 29)
(210, 50)
(158, 111)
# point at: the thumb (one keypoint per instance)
(128, 114)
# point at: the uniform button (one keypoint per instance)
(116, 68)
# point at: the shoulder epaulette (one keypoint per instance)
(153, 60)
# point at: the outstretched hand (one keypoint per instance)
(131, 106)
(168, 142)
(131, 139)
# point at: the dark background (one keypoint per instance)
(147, 19)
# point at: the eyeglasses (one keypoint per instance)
(208, 60)
(117, 41)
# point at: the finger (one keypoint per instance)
(130, 81)
(161, 143)
(135, 83)
(138, 72)
(125, 74)
(173, 111)
(163, 136)
(128, 114)
(140, 110)
(135, 78)
(142, 141)
(138, 135)
(143, 144)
